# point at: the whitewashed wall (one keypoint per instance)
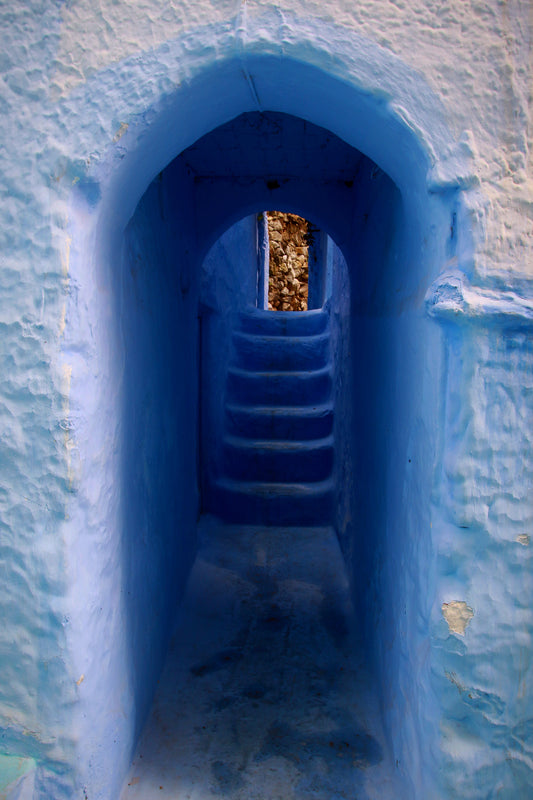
(82, 83)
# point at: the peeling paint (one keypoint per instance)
(62, 320)
(523, 539)
(65, 257)
(452, 677)
(121, 131)
(458, 615)
(65, 423)
(12, 768)
(67, 378)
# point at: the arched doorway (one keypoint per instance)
(141, 376)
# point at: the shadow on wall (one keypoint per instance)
(156, 306)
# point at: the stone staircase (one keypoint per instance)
(277, 459)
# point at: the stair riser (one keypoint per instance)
(294, 354)
(278, 510)
(284, 467)
(280, 324)
(276, 425)
(287, 390)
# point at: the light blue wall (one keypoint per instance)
(481, 521)
(137, 524)
(442, 415)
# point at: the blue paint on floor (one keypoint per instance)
(264, 694)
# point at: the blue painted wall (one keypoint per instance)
(229, 284)
(156, 297)
(387, 356)
(442, 414)
(348, 195)
(140, 522)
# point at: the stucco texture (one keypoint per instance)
(87, 93)
(476, 56)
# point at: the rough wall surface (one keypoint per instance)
(477, 56)
(288, 264)
(38, 688)
(484, 650)
(81, 85)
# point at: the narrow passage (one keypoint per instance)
(264, 695)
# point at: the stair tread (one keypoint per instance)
(279, 422)
(265, 374)
(264, 313)
(281, 322)
(274, 488)
(289, 411)
(275, 340)
(289, 445)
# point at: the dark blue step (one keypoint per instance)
(278, 388)
(259, 503)
(279, 461)
(283, 323)
(269, 353)
(280, 422)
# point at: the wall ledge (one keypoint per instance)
(453, 298)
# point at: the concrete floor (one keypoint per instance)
(264, 695)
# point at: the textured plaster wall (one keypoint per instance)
(477, 56)
(482, 654)
(38, 686)
(95, 101)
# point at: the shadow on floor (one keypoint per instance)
(264, 695)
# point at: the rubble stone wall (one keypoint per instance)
(288, 264)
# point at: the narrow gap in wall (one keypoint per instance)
(288, 261)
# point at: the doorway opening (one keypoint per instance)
(289, 237)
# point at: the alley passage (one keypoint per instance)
(264, 696)
(277, 464)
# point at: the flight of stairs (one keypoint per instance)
(277, 459)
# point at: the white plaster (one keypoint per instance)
(74, 77)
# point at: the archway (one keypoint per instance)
(145, 344)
